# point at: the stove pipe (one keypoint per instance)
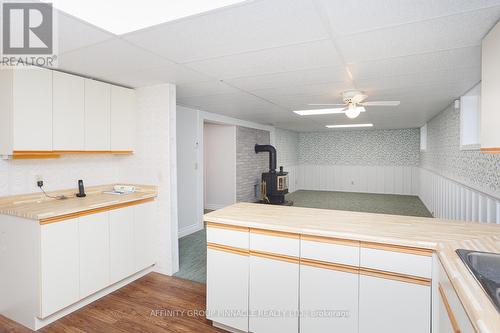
(272, 155)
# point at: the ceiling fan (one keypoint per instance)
(353, 105)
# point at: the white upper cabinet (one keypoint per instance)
(490, 88)
(68, 112)
(97, 116)
(25, 110)
(123, 119)
(50, 112)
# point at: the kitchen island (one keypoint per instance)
(59, 255)
(290, 269)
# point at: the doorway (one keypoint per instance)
(206, 156)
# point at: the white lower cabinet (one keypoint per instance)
(328, 300)
(121, 243)
(274, 295)
(451, 315)
(94, 253)
(227, 288)
(391, 306)
(144, 231)
(59, 266)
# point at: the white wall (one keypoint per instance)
(372, 161)
(456, 183)
(448, 199)
(155, 162)
(220, 165)
(187, 173)
(196, 202)
(287, 146)
(355, 178)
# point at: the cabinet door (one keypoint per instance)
(94, 253)
(446, 318)
(121, 243)
(69, 113)
(227, 289)
(144, 235)
(97, 116)
(274, 295)
(32, 116)
(123, 118)
(392, 306)
(59, 266)
(328, 300)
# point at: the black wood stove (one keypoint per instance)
(274, 185)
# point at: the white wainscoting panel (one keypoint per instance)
(449, 199)
(292, 177)
(368, 179)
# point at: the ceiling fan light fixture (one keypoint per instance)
(354, 111)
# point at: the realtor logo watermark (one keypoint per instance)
(28, 34)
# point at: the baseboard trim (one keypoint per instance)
(190, 230)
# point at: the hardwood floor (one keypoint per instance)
(154, 303)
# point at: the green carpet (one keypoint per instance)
(193, 257)
(193, 248)
(361, 202)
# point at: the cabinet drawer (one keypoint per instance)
(396, 259)
(330, 250)
(275, 242)
(227, 235)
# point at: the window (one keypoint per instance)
(470, 119)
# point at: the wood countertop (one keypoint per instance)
(46, 210)
(442, 236)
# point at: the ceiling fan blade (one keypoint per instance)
(315, 112)
(316, 104)
(381, 103)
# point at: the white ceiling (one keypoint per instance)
(261, 59)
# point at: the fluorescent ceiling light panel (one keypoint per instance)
(123, 16)
(319, 111)
(349, 125)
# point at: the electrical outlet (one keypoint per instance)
(39, 180)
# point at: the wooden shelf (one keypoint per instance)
(25, 154)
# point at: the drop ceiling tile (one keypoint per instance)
(426, 62)
(304, 125)
(449, 32)
(237, 102)
(348, 17)
(73, 33)
(252, 26)
(171, 73)
(293, 78)
(275, 60)
(111, 57)
(300, 102)
(470, 75)
(333, 89)
(193, 89)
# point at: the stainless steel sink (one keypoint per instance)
(485, 267)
